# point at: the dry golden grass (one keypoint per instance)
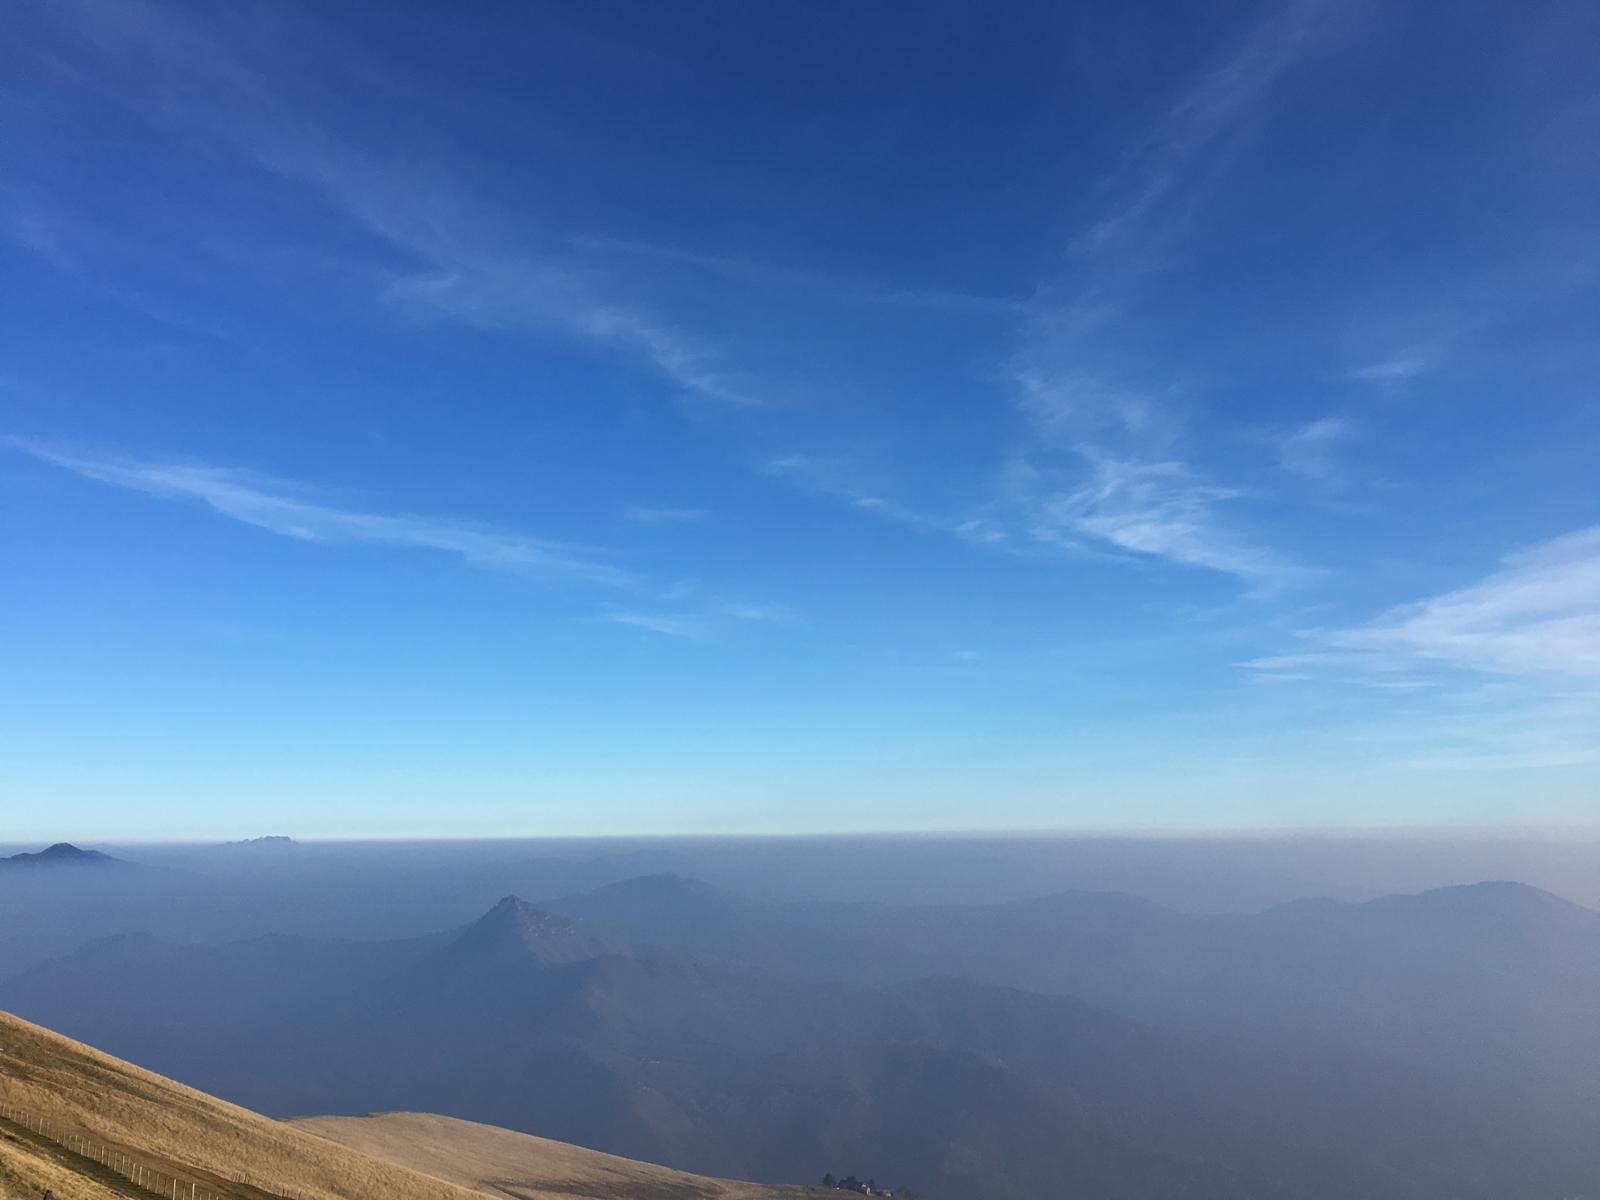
(186, 1133)
(505, 1163)
(29, 1169)
(194, 1137)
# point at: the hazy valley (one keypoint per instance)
(1441, 1043)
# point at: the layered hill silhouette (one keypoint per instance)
(597, 1026)
(84, 1094)
(62, 855)
(1458, 980)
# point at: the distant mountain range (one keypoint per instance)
(62, 854)
(1415, 1047)
(1488, 976)
(271, 841)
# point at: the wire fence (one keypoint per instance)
(157, 1181)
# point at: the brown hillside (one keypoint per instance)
(174, 1129)
(504, 1163)
(192, 1137)
(29, 1168)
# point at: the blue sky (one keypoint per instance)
(758, 418)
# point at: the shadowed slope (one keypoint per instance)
(514, 932)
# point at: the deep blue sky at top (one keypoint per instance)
(754, 417)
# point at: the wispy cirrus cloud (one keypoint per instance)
(692, 629)
(1538, 616)
(645, 514)
(1102, 469)
(839, 479)
(1201, 121)
(1308, 451)
(840, 288)
(1500, 674)
(1394, 370)
(701, 623)
(759, 614)
(1103, 463)
(508, 294)
(1512, 733)
(450, 257)
(1156, 510)
(467, 263)
(293, 511)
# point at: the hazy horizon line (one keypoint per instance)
(1401, 832)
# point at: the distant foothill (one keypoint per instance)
(62, 854)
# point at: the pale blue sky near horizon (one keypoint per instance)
(714, 418)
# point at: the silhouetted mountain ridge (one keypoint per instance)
(63, 854)
(514, 930)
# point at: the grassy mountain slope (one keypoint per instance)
(501, 1162)
(185, 1132)
(193, 1136)
(29, 1168)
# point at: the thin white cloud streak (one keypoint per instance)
(1206, 115)
(467, 272)
(1501, 674)
(173, 72)
(702, 625)
(1393, 370)
(69, 246)
(760, 614)
(846, 289)
(286, 510)
(1155, 510)
(511, 295)
(644, 514)
(479, 281)
(1101, 470)
(687, 628)
(839, 480)
(291, 511)
(944, 301)
(1067, 406)
(1537, 616)
(1309, 450)
(1102, 464)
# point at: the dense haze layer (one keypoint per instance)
(995, 1017)
(390, 889)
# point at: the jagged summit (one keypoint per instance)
(62, 854)
(516, 930)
